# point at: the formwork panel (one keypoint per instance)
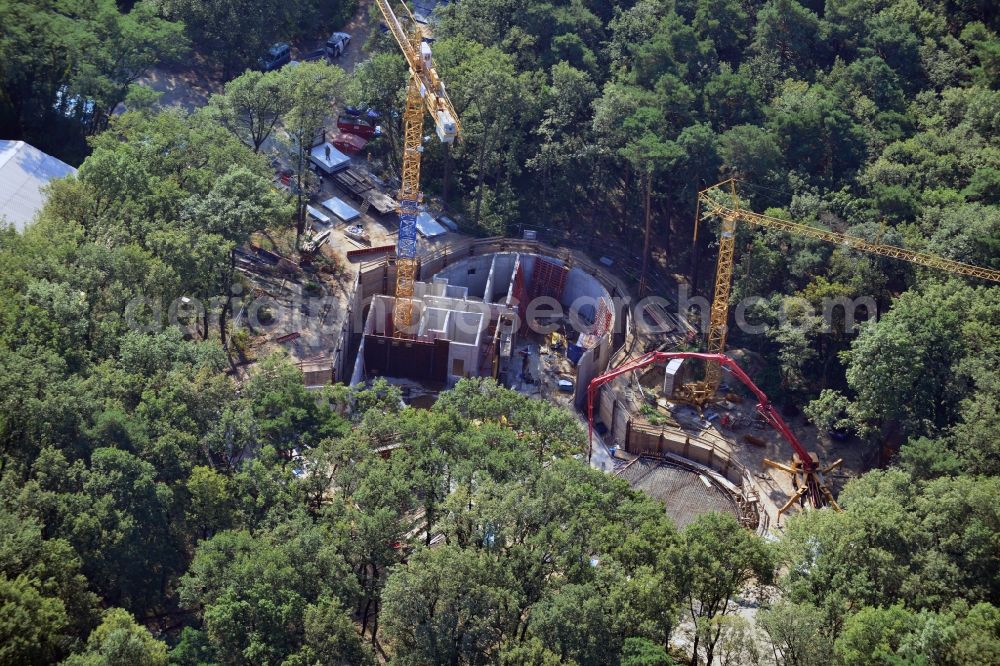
(548, 279)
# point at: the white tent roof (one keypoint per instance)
(24, 170)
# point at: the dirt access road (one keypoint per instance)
(189, 88)
(359, 29)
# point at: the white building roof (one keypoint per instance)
(24, 170)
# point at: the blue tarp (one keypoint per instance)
(574, 353)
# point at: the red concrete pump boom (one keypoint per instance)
(806, 474)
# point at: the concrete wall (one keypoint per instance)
(472, 273)
(434, 322)
(592, 364)
(528, 262)
(465, 327)
(500, 276)
(358, 374)
(347, 332)
(614, 416)
(468, 355)
(379, 315)
(581, 285)
(656, 441)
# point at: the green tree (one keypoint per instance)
(896, 542)
(239, 204)
(119, 641)
(796, 633)
(286, 414)
(331, 638)
(752, 153)
(726, 23)
(234, 34)
(791, 31)
(211, 501)
(873, 635)
(312, 87)
(564, 136)
(642, 652)
(53, 567)
(816, 134)
(116, 516)
(530, 652)
(720, 560)
(579, 622)
(487, 96)
(903, 369)
(122, 48)
(33, 627)
(447, 605)
(254, 590)
(67, 68)
(253, 104)
(828, 411)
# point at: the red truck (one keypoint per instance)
(357, 125)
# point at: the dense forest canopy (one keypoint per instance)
(154, 510)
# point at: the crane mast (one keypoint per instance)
(721, 201)
(425, 91)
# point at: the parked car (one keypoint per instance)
(336, 44)
(318, 54)
(358, 125)
(277, 57)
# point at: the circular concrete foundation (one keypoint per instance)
(686, 494)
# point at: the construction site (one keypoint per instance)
(473, 322)
(423, 306)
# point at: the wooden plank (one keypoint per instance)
(353, 181)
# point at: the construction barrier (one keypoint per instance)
(370, 251)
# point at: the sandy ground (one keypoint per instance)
(186, 89)
(358, 28)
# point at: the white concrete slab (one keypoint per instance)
(341, 209)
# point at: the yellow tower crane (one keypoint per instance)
(722, 201)
(424, 91)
